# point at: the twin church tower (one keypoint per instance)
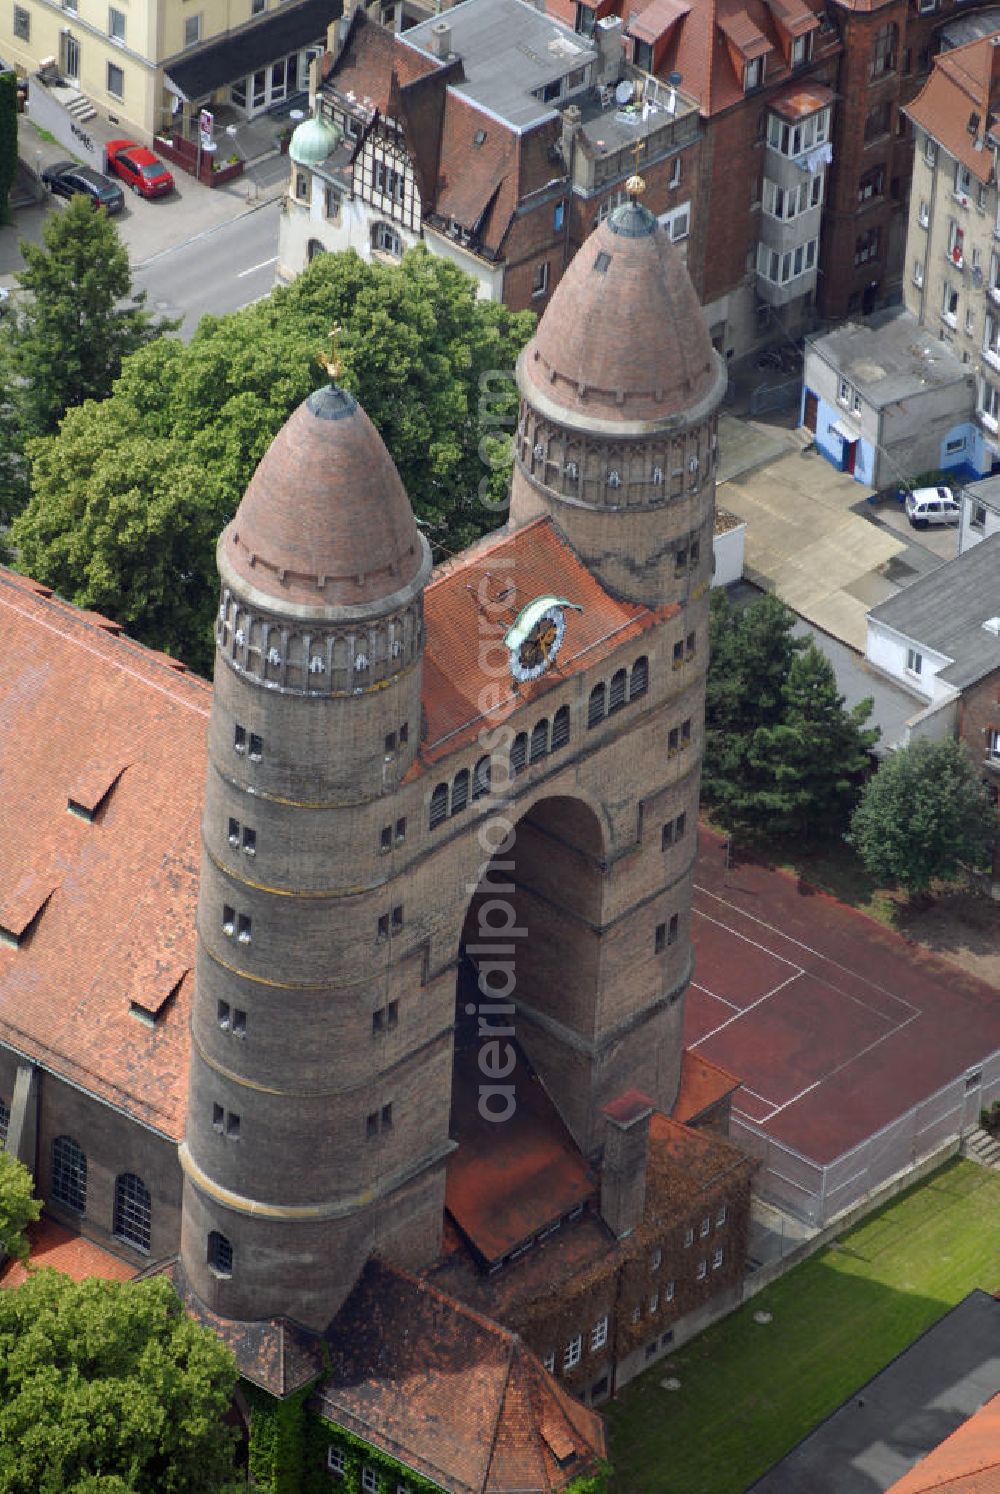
(348, 787)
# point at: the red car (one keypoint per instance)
(139, 168)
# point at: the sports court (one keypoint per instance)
(837, 1027)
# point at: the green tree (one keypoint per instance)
(80, 319)
(131, 494)
(107, 1386)
(751, 651)
(18, 1207)
(924, 816)
(808, 767)
(8, 142)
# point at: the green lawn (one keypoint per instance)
(749, 1392)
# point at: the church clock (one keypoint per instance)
(536, 637)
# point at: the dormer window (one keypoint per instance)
(801, 50)
(753, 74)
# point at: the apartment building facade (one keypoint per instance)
(952, 282)
(150, 67)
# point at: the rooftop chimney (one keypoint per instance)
(610, 49)
(441, 40)
(626, 1156)
(570, 129)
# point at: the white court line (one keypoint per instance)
(848, 970)
(743, 1010)
(706, 992)
(842, 1065)
(241, 274)
(762, 947)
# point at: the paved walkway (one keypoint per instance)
(904, 1412)
(812, 538)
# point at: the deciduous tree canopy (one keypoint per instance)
(18, 1207)
(923, 816)
(108, 1386)
(131, 494)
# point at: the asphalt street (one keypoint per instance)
(218, 271)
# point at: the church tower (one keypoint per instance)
(294, 1167)
(616, 444)
(617, 433)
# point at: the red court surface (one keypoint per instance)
(835, 1025)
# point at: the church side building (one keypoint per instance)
(425, 996)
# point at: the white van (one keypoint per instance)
(931, 506)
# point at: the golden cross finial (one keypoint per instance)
(635, 186)
(332, 361)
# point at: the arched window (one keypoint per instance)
(439, 805)
(133, 1211)
(313, 248)
(69, 1174)
(616, 695)
(518, 754)
(595, 707)
(220, 1254)
(4, 1121)
(639, 683)
(560, 728)
(460, 791)
(482, 778)
(539, 740)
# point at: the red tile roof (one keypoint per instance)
(506, 1182)
(458, 1398)
(633, 1105)
(372, 62)
(507, 571)
(696, 46)
(72, 1255)
(967, 1462)
(703, 1084)
(325, 520)
(119, 924)
(963, 82)
(275, 1353)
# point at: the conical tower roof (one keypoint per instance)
(623, 339)
(325, 523)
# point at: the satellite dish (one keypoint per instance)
(624, 91)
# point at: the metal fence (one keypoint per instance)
(815, 1193)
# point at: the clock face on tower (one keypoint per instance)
(536, 637)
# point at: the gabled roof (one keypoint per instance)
(461, 1400)
(510, 570)
(954, 105)
(967, 1462)
(946, 609)
(104, 892)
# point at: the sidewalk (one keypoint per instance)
(146, 228)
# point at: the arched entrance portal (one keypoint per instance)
(526, 1003)
(538, 971)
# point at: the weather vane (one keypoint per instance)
(332, 361)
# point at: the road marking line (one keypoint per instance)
(254, 268)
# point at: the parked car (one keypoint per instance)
(66, 179)
(139, 168)
(931, 506)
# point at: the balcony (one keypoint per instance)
(991, 355)
(988, 422)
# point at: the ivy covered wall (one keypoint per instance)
(289, 1454)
